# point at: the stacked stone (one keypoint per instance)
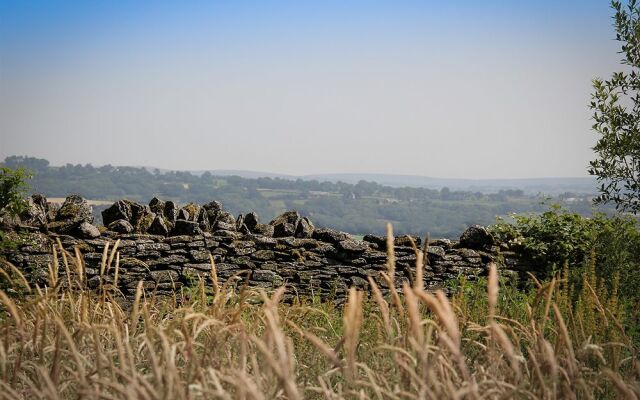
(177, 244)
(74, 217)
(165, 218)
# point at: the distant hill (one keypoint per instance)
(231, 172)
(549, 186)
(248, 174)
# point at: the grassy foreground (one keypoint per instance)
(213, 342)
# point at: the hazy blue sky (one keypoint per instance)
(474, 89)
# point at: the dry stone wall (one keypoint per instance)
(167, 247)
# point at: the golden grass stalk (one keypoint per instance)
(117, 270)
(214, 276)
(352, 323)
(418, 283)
(112, 255)
(249, 345)
(22, 280)
(103, 262)
(391, 258)
(492, 290)
(383, 306)
(11, 307)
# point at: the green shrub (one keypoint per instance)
(550, 238)
(607, 245)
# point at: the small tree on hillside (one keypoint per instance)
(616, 107)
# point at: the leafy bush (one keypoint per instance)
(558, 237)
(549, 238)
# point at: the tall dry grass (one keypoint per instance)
(64, 341)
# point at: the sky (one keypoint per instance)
(464, 89)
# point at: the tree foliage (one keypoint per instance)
(558, 236)
(616, 113)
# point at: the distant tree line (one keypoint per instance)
(359, 208)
